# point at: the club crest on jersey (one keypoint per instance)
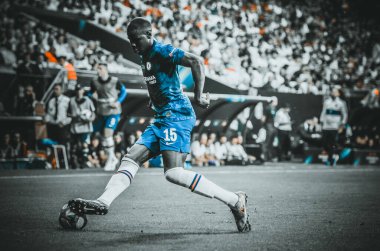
(148, 66)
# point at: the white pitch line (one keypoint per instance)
(248, 171)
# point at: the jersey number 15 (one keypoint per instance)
(170, 134)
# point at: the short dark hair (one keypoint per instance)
(139, 25)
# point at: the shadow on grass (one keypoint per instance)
(156, 238)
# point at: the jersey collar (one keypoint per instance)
(151, 51)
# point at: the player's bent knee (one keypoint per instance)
(131, 157)
(128, 162)
(138, 153)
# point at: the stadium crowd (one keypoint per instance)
(31, 46)
(297, 47)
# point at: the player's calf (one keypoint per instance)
(199, 184)
(120, 181)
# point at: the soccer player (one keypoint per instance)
(169, 134)
(109, 93)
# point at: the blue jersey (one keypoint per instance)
(159, 67)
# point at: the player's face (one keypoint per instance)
(102, 71)
(140, 42)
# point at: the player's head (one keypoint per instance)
(102, 70)
(140, 35)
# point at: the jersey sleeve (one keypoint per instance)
(171, 54)
(122, 92)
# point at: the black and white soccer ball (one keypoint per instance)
(85, 115)
(71, 220)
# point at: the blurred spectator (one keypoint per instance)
(372, 99)
(3, 112)
(138, 134)
(93, 160)
(71, 77)
(82, 113)
(7, 57)
(221, 149)
(26, 104)
(6, 149)
(131, 139)
(236, 153)
(283, 123)
(311, 131)
(361, 139)
(210, 153)
(120, 149)
(56, 116)
(270, 130)
(198, 151)
(333, 118)
(19, 145)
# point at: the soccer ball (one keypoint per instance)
(70, 220)
(85, 115)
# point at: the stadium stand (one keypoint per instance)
(297, 47)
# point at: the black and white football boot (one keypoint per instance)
(81, 206)
(239, 211)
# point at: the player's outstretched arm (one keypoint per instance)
(198, 71)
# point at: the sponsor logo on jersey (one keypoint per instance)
(151, 80)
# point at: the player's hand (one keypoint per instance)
(115, 105)
(204, 101)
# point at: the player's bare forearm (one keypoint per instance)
(198, 72)
(197, 69)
